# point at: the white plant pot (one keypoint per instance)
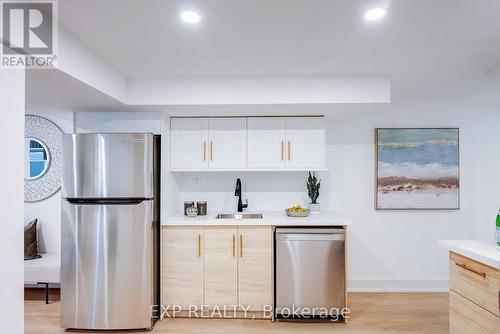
(314, 208)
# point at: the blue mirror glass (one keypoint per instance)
(37, 159)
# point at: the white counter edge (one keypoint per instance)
(473, 249)
(269, 219)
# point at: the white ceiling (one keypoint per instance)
(427, 47)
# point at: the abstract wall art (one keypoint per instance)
(417, 168)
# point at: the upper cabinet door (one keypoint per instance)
(305, 142)
(266, 142)
(227, 144)
(189, 143)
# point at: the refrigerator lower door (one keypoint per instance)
(107, 266)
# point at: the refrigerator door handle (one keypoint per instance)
(106, 201)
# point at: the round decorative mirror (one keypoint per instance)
(36, 159)
(43, 158)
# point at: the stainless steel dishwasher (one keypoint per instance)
(310, 271)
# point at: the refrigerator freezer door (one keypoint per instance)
(107, 266)
(108, 166)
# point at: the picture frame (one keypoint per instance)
(417, 168)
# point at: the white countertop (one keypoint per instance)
(269, 218)
(476, 250)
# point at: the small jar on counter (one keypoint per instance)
(187, 204)
(202, 208)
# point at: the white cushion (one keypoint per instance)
(46, 269)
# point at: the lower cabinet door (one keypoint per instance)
(221, 266)
(255, 263)
(467, 317)
(182, 263)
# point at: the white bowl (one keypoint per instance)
(291, 213)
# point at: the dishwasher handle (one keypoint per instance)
(306, 230)
(310, 237)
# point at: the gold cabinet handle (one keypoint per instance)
(289, 149)
(282, 150)
(464, 267)
(199, 245)
(204, 151)
(241, 245)
(234, 245)
(211, 150)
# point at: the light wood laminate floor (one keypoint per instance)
(371, 313)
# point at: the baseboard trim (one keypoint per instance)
(352, 286)
(397, 286)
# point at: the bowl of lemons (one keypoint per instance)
(297, 211)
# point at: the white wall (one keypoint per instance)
(101, 122)
(170, 191)
(398, 250)
(11, 200)
(270, 89)
(265, 191)
(77, 60)
(48, 211)
(387, 250)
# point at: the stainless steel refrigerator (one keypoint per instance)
(110, 231)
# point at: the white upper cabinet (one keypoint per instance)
(208, 143)
(286, 143)
(253, 143)
(228, 143)
(266, 142)
(189, 143)
(305, 143)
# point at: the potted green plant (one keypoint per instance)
(313, 186)
(498, 231)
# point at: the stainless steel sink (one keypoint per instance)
(239, 216)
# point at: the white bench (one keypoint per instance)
(44, 270)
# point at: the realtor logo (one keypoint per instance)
(29, 34)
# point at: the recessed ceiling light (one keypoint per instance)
(190, 17)
(374, 14)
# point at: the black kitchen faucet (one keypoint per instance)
(237, 192)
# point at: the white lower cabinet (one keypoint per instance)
(223, 266)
